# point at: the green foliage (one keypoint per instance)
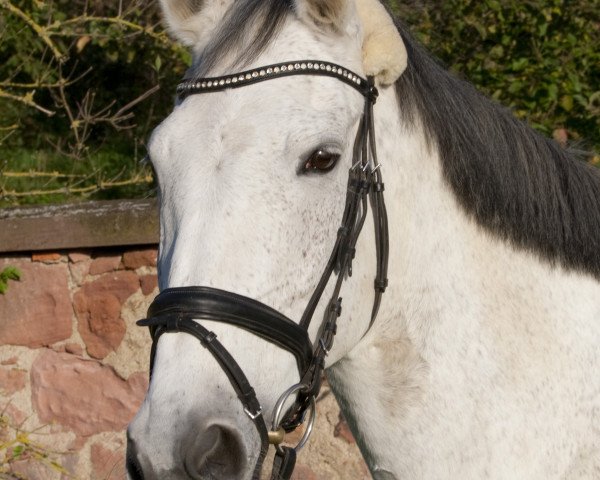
(539, 57)
(9, 273)
(83, 83)
(79, 79)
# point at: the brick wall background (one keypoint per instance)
(73, 370)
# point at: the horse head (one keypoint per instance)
(253, 189)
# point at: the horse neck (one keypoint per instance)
(449, 281)
(441, 259)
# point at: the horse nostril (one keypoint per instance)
(217, 453)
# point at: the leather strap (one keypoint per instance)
(364, 181)
(269, 72)
(283, 463)
(179, 309)
(205, 303)
(168, 323)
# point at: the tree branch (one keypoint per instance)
(27, 100)
(41, 31)
(117, 21)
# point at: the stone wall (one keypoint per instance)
(73, 370)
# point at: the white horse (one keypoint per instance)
(484, 360)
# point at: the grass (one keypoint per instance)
(44, 176)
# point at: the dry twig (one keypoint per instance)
(41, 31)
(27, 99)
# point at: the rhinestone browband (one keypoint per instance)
(302, 67)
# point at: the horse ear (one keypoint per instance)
(179, 16)
(384, 52)
(325, 13)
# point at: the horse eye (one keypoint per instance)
(321, 161)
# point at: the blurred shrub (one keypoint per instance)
(83, 82)
(539, 57)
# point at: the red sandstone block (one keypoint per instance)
(148, 283)
(104, 264)
(15, 416)
(46, 257)
(76, 257)
(83, 395)
(135, 259)
(107, 464)
(98, 307)
(74, 348)
(302, 472)
(12, 380)
(37, 310)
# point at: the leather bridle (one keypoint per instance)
(183, 309)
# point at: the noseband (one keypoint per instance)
(182, 309)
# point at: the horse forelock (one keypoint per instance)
(515, 183)
(247, 29)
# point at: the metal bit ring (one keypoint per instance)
(278, 410)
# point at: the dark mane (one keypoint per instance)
(515, 183)
(247, 29)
